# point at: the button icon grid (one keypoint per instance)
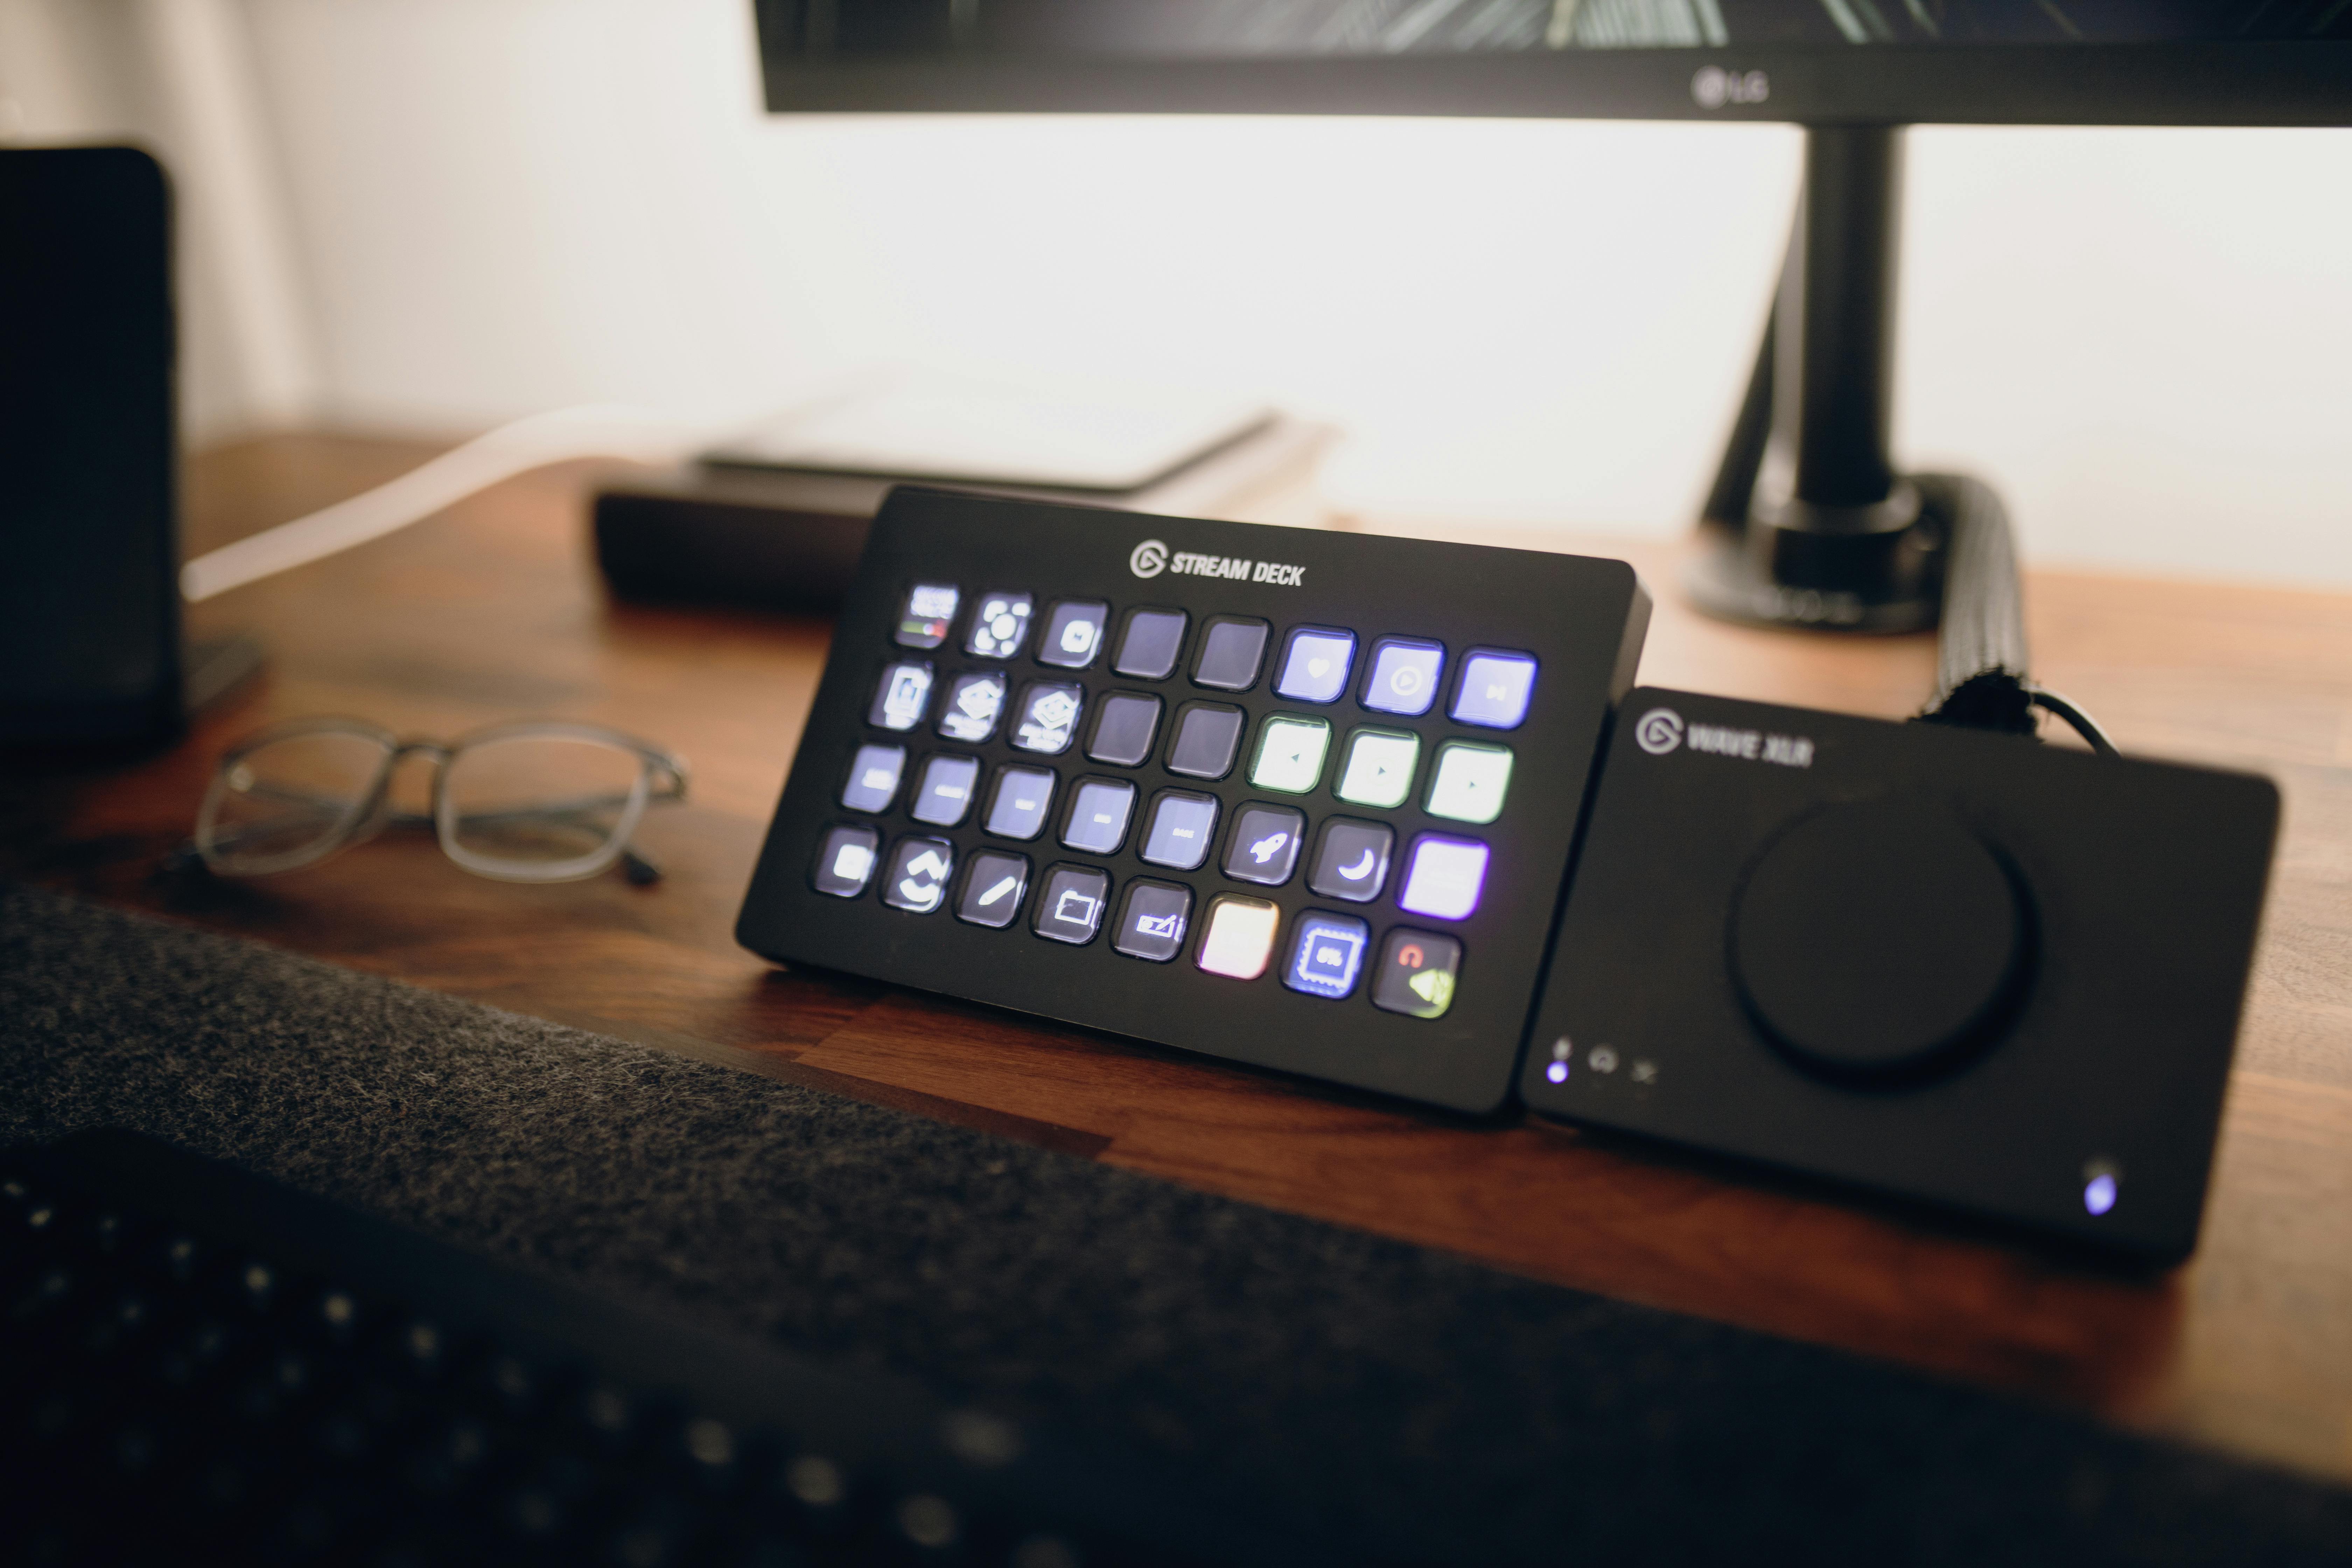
(1230, 933)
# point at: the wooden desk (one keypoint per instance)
(494, 610)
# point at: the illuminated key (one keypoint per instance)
(1098, 812)
(899, 700)
(993, 888)
(1417, 974)
(924, 618)
(999, 626)
(1180, 830)
(1496, 689)
(1469, 781)
(1327, 955)
(1379, 767)
(1290, 755)
(1444, 878)
(1263, 845)
(1405, 676)
(1240, 936)
(974, 701)
(1070, 904)
(1151, 926)
(1074, 632)
(946, 791)
(917, 880)
(844, 861)
(874, 778)
(1018, 810)
(1315, 666)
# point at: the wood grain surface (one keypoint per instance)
(493, 610)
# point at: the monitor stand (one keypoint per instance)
(1811, 525)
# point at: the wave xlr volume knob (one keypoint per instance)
(1879, 941)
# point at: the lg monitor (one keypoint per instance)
(1816, 526)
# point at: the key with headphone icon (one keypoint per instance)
(1417, 972)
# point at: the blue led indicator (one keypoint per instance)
(2099, 1194)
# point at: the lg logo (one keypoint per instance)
(1148, 558)
(1713, 87)
(1660, 731)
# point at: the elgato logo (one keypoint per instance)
(1150, 558)
(1662, 730)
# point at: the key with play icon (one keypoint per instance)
(1469, 781)
(1379, 767)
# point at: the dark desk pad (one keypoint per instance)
(1407, 1404)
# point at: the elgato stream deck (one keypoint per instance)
(1296, 799)
(1954, 965)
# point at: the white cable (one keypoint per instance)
(591, 430)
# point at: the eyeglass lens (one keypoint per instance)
(539, 802)
(283, 802)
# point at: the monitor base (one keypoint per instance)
(1728, 584)
(1875, 569)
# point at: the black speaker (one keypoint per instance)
(90, 604)
(1952, 965)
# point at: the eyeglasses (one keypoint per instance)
(530, 802)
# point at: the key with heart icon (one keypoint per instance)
(1316, 664)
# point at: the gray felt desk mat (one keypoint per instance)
(1419, 1405)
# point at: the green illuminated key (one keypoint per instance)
(1290, 755)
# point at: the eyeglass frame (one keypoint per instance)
(661, 779)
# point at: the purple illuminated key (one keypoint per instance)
(1495, 689)
(1443, 877)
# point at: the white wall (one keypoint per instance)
(2143, 337)
(177, 76)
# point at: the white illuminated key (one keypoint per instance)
(1290, 755)
(874, 778)
(1380, 767)
(1240, 939)
(1469, 781)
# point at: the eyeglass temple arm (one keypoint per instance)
(669, 785)
(669, 775)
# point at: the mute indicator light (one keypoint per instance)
(2099, 1187)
